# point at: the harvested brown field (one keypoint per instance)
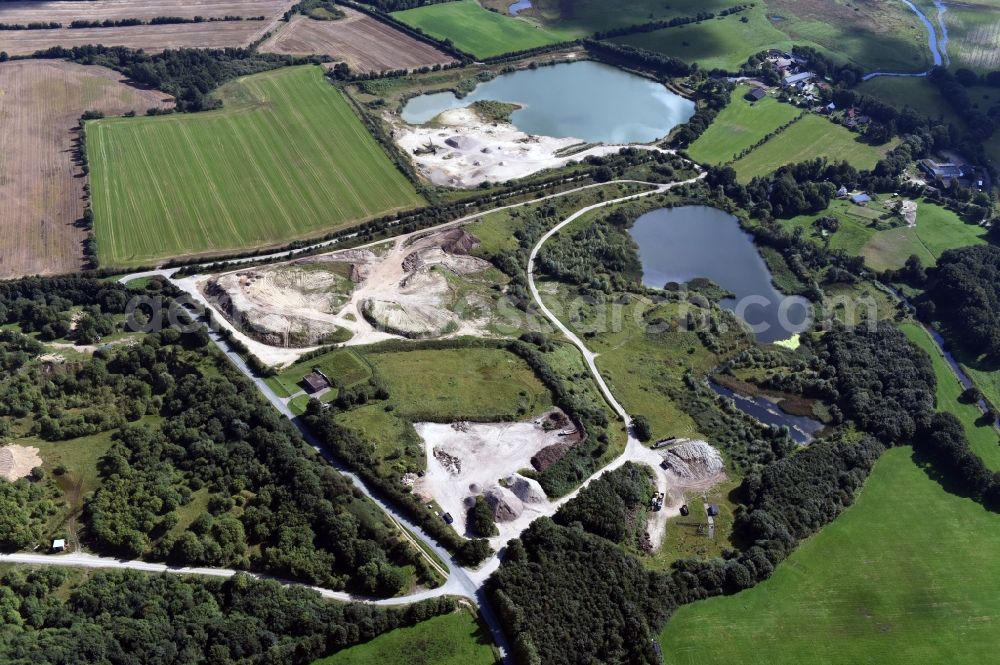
(152, 38)
(63, 11)
(364, 43)
(41, 186)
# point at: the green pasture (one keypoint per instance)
(903, 576)
(740, 126)
(479, 31)
(886, 242)
(938, 230)
(639, 367)
(974, 36)
(983, 438)
(285, 158)
(723, 43)
(477, 383)
(586, 17)
(450, 639)
(812, 136)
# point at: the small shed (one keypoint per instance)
(713, 510)
(58, 545)
(860, 199)
(756, 94)
(315, 382)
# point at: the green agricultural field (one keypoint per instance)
(918, 93)
(871, 233)
(938, 230)
(874, 35)
(478, 384)
(452, 639)
(479, 31)
(974, 36)
(901, 577)
(586, 17)
(740, 126)
(723, 43)
(982, 438)
(285, 158)
(812, 136)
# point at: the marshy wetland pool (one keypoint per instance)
(590, 101)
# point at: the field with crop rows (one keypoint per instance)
(285, 158)
(812, 136)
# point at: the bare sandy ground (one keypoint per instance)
(469, 459)
(18, 461)
(403, 285)
(909, 211)
(367, 45)
(486, 454)
(470, 150)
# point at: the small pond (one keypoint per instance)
(590, 101)
(519, 6)
(680, 244)
(800, 428)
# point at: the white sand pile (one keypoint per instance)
(526, 489)
(505, 505)
(693, 460)
(18, 461)
(484, 150)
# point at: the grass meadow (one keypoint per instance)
(451, 639)
(812, 136)
(864, 232)
(723, 43)
(479, 31)
(739, 126)
(285, 158)
(478, 384)
(903, 576)
(983, 439)
(938, 230)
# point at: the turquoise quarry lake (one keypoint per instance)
(591, 101)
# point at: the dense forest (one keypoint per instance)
(185, 425)
(569, 597)
(964, 294)
(884, 383)
(608, 506)
(126, 617)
